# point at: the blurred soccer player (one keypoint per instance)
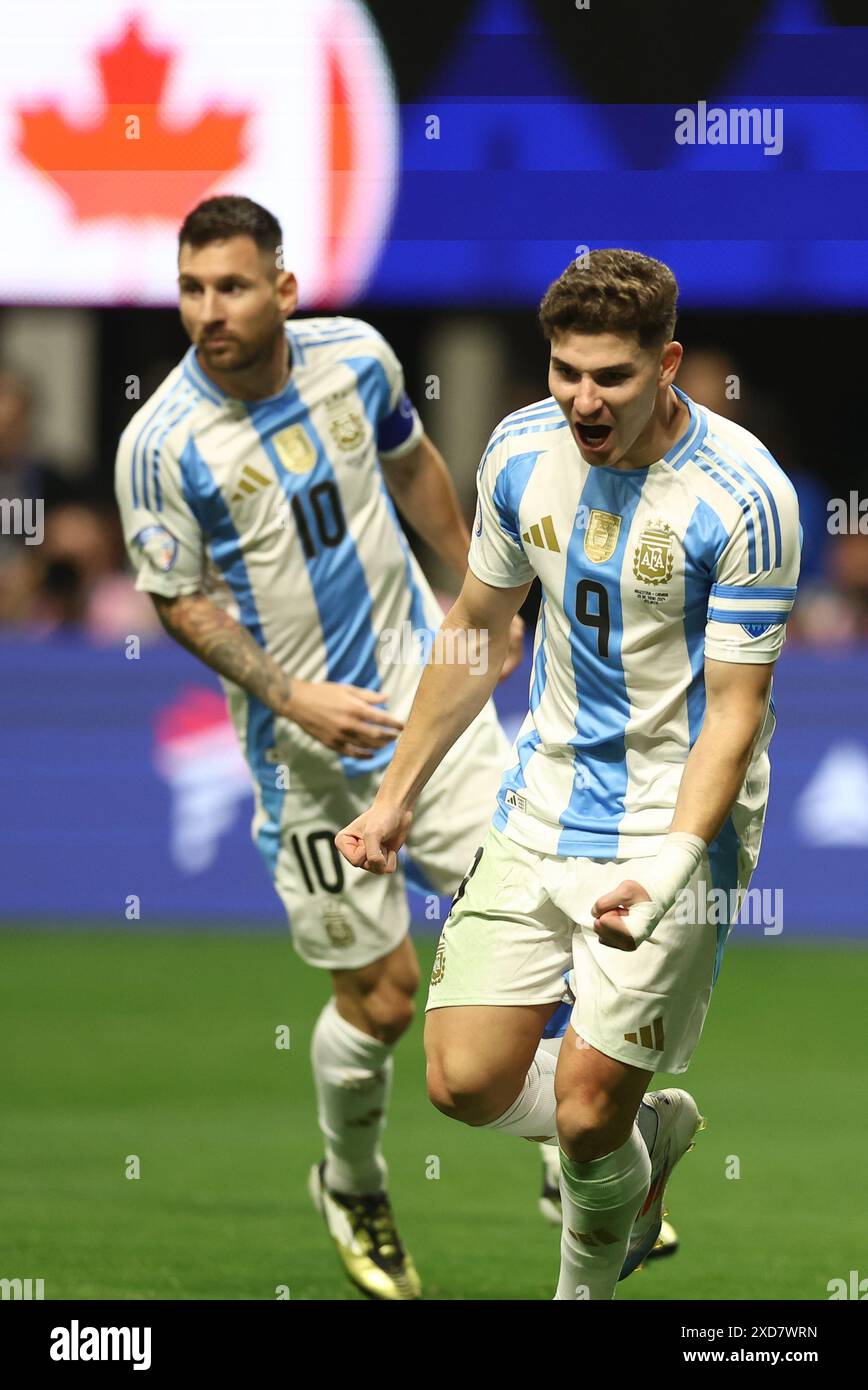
(251, 487)
(666, 539)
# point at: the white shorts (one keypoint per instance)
(505, 942)
(344, 918)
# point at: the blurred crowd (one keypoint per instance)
(71, 575)
(64, 569)
(831, 608)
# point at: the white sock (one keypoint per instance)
(600, 1200)
(353, 1075)
(550, 1151)
(532, 1113)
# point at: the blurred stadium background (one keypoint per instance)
(433, 171)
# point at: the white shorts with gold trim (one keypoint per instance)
(505, 942)
(343, 918)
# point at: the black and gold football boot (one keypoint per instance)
(367, 1241)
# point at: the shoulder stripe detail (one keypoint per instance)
(707, 467)
(779, 472)
(531, 412)
(309, 343)
(138, 459)
(323, 328)
(199, 381)
(745, 467)
(751, 494)
(541, 428)
(182, 412)
(681, 453)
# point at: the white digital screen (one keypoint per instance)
(116, 119)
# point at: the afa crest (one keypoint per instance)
(347, 430)
(439, 969)
(653, 557)
(338, 929)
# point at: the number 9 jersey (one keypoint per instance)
(644, 573)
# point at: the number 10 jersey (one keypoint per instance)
(278, 510)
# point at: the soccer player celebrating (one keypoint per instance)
(666, 541)
(251, 487)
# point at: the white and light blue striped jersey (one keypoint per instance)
(644, 573)
(278, 510)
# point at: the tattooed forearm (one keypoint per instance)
(224, 645)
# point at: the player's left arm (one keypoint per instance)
(419, 481)
(747, 612)
(425, 496)
(736, 701)
(413, 468)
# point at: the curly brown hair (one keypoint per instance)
(613, 291)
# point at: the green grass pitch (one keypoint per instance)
(162, 1046)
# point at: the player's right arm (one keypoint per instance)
(452, 692)
(342, 717)
(450, 695)
(167, 549)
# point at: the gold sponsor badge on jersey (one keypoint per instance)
(601, 536)
(295, 449)
(653, 558)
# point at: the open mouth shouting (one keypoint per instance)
(594, 438)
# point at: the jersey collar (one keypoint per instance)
(684, 448)
(203, 383)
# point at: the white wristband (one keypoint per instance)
(663, 877)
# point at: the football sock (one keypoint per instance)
(551, 1152)
(353, 1075)
(600, 1200)
(532, 1113)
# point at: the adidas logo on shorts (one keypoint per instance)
(650, 1036)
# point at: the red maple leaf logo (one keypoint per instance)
(135, 168)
